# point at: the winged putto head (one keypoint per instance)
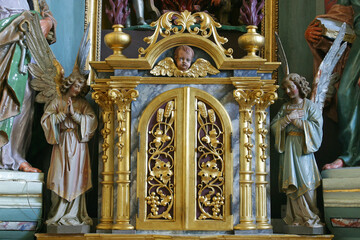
(182, 67)
(183, 56)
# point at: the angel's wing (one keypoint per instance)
(323, 77)
(282, 55)
(47, 71)
(83, 53)
(165, 67)
(201, 67)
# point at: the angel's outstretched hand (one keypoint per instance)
(296, 114)
(70, 106)
(313, 33)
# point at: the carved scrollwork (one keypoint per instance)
(160, 196)
(173, 22)
(210, 149)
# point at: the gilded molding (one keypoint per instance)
(166, 25)
(270, 25)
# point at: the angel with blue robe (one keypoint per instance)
(298, 134)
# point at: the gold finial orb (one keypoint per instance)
(251, 42)
(117, 40)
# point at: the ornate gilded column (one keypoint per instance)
(123, 97)
(101, 97)
(247, 96)
(268, 98)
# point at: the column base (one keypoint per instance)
(263, 225)
(245, 226)
(122, 226)
(104, 226)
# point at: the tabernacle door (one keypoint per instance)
(184, 164)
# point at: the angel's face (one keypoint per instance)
(75, 89)
(291, 89)
(183, 60)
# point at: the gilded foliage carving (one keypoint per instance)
(160, 181)
(210, 164)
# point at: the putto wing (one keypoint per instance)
(323, 77)
(202, 68)
(47, 71)
(165, 67)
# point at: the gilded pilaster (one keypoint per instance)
(268, 98)
(107, 203)
(122, 98)
(246, 98)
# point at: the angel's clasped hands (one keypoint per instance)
(70, 107)
(296, 114)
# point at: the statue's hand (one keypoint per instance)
(70, 106)
(296, 114)
(313, 33)
(46, 25)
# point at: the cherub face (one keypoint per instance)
(183, 60)
(291, 89)
(75, 89)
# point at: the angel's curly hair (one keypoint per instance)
(300, 82)
(71, 79)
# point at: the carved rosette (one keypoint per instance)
(210, 164)
(160, 181)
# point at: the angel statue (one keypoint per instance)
(69, 122)
(16, 103)
(182, 67)
(298, 132)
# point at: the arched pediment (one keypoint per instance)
(205, 44)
